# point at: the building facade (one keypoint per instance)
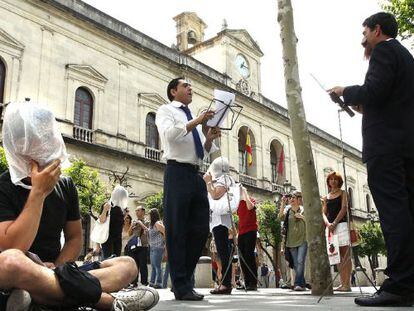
(105, 81)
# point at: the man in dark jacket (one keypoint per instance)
(387, 102)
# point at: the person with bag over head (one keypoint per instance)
(113, 211)
(334, 213)
(36, 205)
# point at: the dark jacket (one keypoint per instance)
(387, 98)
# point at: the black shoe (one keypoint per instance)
(221, 291)
(190, 296)
(251, 288)
(385, 299)
(198, 294)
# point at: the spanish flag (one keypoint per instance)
(249, 154)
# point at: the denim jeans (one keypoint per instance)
(166, 275)
(299, 258)
(156, 255)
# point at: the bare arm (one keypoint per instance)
(20, 233)
(104, 214)
(216, 192)
(324, 212)
(73, 242)
(282, 209)
(344, 209)
(245, 196)
(160, 227)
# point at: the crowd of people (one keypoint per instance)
(37, 204)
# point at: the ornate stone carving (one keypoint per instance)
(243, 86)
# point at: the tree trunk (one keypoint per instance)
(273, 262)
(320, 270)
(276, 253)
(371, 265)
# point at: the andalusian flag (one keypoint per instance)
(248, 148)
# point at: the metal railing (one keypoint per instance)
(248, 180)
(153, 154)
(83, 134)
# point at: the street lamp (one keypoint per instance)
(287, 188)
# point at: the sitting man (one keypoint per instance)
(36, 204)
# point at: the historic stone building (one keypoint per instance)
(105, 80)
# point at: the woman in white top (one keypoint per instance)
(218, 183)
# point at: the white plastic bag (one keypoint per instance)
(332, 245)
(30, 132)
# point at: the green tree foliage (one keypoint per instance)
(404, 13)
(372, 243)
(92, 191)
(270, 231)
(269, 224)
(155, 201)
(3, 162)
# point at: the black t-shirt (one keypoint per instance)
(60, 206)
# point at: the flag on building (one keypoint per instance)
(280, 165)
(248, 148)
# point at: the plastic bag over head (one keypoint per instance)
(119, 197)
(30, 132)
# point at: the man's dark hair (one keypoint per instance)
(386, 21)
(173, 86)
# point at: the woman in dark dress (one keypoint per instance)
(115, 210)
(335, 208)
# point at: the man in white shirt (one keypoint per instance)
(186, 209)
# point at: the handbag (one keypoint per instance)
(134, 243)
(100, 232)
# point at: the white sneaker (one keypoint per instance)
(135, 299)
(19, 300)
(298, 288)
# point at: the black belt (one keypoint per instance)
(187, 165)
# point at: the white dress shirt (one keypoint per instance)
(177, 143)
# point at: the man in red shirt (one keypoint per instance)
(247, 239)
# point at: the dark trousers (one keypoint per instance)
(112, 246)
(247, 243)
(140, 255)
(391, 181)
(221, 237)
(186, 218)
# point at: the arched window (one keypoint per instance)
(245, 150)
(151, 132)
(368, 202)
(2, 80)
(277, 159)
(350, 198)
(83, 108)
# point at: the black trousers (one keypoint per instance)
(247, 243)
(140, 255)
(221, 237)
(186, 218)
(391, 180)
(112, 246)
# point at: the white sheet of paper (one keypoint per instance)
(223, 101)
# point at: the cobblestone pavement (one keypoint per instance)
(265, 299)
